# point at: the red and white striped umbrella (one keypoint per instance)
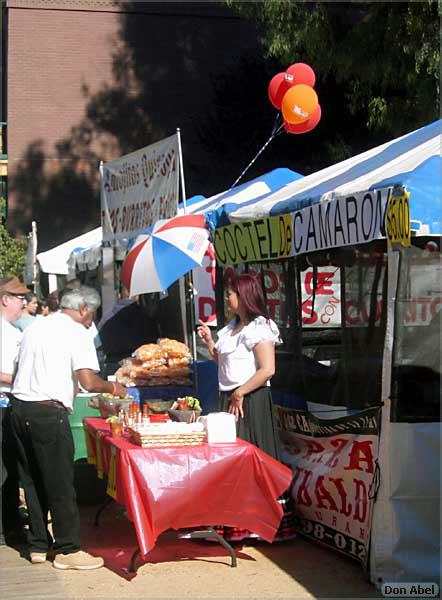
(168, 250)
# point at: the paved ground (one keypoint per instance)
(184, 569)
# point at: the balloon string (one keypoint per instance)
(275, 131)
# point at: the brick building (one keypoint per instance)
(90, 80)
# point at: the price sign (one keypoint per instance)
(397, 219)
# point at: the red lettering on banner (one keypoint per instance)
(273, 286)
(307, 309)
(348, 318)
(334, 521)
(203, 303)
(322, 495)
(330, 310)
(313, 448)
(303, 495)
(296, 475)
(347, 527)
(361, 533)
(424, 305)
(360, 453)
(339, 444)
(272, 304)
(325, 278)
(360, 501)
(434, 304)
(339, 485)
(410, 312)
(318, 515)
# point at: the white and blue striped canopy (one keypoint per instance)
(413, 160)
(218, 208)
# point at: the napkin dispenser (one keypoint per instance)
(220, 427)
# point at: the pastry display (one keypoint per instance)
(164, 363)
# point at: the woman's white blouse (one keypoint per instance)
(236, 361)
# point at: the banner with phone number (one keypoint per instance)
(335, 476)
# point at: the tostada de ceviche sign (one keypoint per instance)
(334, 476)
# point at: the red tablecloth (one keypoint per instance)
(189, 486)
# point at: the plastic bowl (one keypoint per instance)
(186, 416)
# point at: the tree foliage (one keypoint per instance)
(12, 254)
(384, 56)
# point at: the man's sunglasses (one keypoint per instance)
(19, 296)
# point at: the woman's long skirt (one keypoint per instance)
(258, 426)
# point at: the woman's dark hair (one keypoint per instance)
(249, 289)
(53, 301)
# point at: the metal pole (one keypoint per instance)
(35, 273)
(188, 279)
(108, 296)
(180, 156)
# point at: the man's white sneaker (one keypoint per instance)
(38, 557)
(78, 560)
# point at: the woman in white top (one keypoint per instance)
(245, 353)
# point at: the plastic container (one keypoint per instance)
(158, 418)
(221, 428)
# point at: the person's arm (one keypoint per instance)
(93, 383)
(6, 378)
(264, 353)
(205, 336)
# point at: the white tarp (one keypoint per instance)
(139, 189)
(57, 260)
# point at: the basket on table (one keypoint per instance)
(149, 440)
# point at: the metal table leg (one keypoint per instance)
(200, 534)
(135, 555)
(105, 504)
(211, 533)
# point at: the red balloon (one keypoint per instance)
(306, 126)
(277, 88)
(301, 73)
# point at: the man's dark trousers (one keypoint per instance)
(45, 450)
(9, 487)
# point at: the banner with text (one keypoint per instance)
(139, 189)
(397, 219)
(334, 476)
(342, 221)
(204, 279)
(254, 241)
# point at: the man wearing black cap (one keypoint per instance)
(12, 299)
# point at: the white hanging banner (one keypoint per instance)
(139, 189)
(204, 288)
(334, 475)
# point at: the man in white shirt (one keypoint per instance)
(56, 354)
(12, 299)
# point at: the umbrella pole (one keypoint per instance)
(190, 291)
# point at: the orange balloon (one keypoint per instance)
(299, 103)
